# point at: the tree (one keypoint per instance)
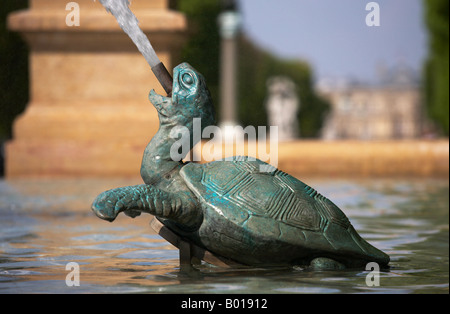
(255, 67)
(437, 66)
(202, 50)
(14, 70)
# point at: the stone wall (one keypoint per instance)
(88, 112)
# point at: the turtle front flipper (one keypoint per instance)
(132, 200)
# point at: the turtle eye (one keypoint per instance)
(187, 79)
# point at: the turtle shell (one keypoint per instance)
(259, 215)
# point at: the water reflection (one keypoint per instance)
(46, 224)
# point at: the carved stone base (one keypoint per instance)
(89, 112)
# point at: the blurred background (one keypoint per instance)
(314, 68)
(361, 110)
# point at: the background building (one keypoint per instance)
(390, 109)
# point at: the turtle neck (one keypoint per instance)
(157, 161)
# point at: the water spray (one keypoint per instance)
(130, 25)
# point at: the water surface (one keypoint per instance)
(46, 224)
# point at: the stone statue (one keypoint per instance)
(241, 210)
(282, 106)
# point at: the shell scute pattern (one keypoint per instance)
(327, 208)
(275, 194)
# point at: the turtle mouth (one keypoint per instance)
(160, 102)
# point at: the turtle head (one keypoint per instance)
(190, 99)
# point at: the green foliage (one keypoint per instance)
(202, 50)
(437, 65)
(14, 70)
(255, 67)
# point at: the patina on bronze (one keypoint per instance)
(241, 210)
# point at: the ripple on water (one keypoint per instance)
(408, 220)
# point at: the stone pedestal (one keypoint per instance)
(89, 113)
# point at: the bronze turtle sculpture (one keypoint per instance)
(241, 208)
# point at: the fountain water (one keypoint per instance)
(130, 25)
